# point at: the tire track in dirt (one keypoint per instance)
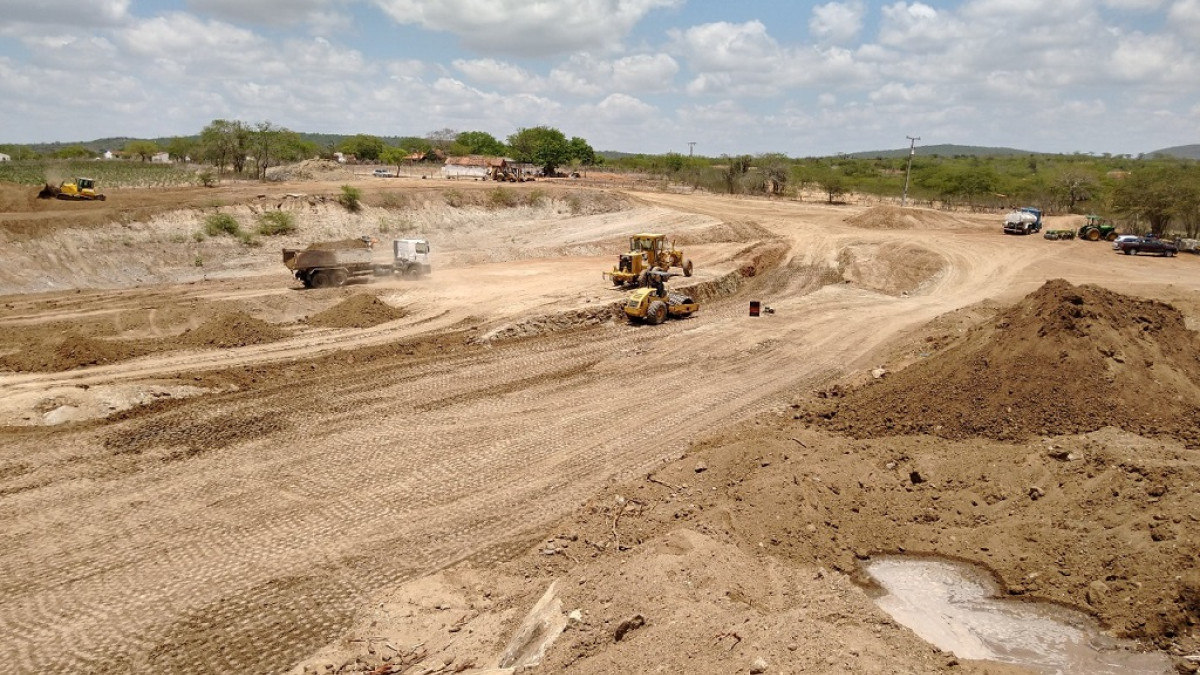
(353, 490)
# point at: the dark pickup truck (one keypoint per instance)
(1148, 245)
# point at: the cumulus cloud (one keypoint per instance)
(527, 27)
(497, 74)
(263, 12)
(836, 22)
(65, 12)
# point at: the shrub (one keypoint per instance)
(503, 198)
(274, 223)
(207, 179)
(351, 198)
(222, 223)
(536, 197)
(454, 198)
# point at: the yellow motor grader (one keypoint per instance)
(646, 252)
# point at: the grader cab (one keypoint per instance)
(646, 252)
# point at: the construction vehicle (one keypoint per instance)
(330, 264)
(78, 189)
(1097, 228)
(653, 304)
(1059, 234)
(1025, 220)
(646, 252)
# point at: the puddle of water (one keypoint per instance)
(954, 606)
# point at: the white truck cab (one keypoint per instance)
(411, 257)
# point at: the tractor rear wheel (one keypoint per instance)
(656, 313)
(1093, 235)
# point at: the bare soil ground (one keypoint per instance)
(206, 468)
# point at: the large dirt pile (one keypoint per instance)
(231, 329)
(358, 311)
(68, 352)
(310, 169)
(1067, 359)
(885, 217)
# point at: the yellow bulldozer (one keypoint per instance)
(646, 252)
(74, 189)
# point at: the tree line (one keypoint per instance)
(1149, 194)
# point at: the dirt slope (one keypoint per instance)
(1067, 359)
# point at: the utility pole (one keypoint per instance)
(691, 147)
(912, 150)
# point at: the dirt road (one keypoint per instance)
(243, 527)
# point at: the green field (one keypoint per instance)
(109, 173)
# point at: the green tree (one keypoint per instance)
(363, 146)
(579, 150)
(480, 143)
(74, 152)
(1156, 193)
(272, 145)
(144, 150)
(18, 152)
(394, 156)
(735, 168)
(544, 146)
(1074, 185)
(180, 147)
(224, 143)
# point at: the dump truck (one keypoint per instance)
(647, 251)
(653, 303)
(1097, 228)
(1025, 220)
(330, 264)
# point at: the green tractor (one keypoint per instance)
(1097, 228)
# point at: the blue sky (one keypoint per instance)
(751, 77)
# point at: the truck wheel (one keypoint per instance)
(656, 313)
(412, 272)
(687, 268)
(321, 279)
(338, 277)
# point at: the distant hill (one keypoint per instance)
(1180, 151)
(944, 150)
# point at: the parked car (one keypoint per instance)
(1122, 239)
(381, 173)
(1148, 244)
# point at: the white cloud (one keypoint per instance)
(620, 108)
(65, 12)
(1184, 16)
(264, 12)
(497, 74)
(527, 27)
(837, 22)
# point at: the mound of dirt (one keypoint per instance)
(1065, 360)
(339, 244)
(357, 311)
(68, 352)
(231, 329)
(886, 217)
(310, 169)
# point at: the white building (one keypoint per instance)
(5, 158)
